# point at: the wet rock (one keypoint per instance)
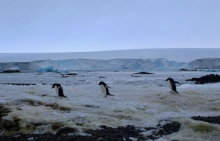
(209, 119)
(212, 78)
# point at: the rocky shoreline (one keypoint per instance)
(105, 133)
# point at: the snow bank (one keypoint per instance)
(142, 105)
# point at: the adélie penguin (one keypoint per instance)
(59, 90)
(172, 85)
(104, 89)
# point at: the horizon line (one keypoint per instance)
(100, 50)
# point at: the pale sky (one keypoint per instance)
(99, 25)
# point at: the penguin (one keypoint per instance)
(104, 89)
(59, 90)
(172, 85)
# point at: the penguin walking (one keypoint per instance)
(104, 89)
(59, 90)
(172, 85)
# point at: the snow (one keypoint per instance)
(31, 138)
(142, 102)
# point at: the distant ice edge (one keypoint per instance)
(91, 64)
(112, 64)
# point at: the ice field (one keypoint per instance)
(140, 100)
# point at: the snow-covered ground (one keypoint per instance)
(140, 101)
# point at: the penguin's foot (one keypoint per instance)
(105, 96)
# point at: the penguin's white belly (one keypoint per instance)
(56, 89)
(170, 86)
(103, 89)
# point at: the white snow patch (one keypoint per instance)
(133, 139)
(151, 111)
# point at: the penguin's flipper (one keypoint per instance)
(176, 82)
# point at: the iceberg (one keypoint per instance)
(47, 69)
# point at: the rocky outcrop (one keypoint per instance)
(212, 78)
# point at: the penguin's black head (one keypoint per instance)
(56, 84)
(102, 83)
(170, 79)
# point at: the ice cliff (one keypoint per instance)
(92, 64)
(205, 63)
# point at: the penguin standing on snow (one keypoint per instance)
(104, 89)
(59, 90)
(172, 85)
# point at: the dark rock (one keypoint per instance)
(104, 134)
(209, 119)
(20, 84)
(47, 137)
(135, 76)
(10, 124)
(108, 133)
(56, 126)
(71, 74)
(212, 78)
(64, 76)
(186, 70)
(143, 73)
(11, 71)
(3, 112)
(162, 130)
